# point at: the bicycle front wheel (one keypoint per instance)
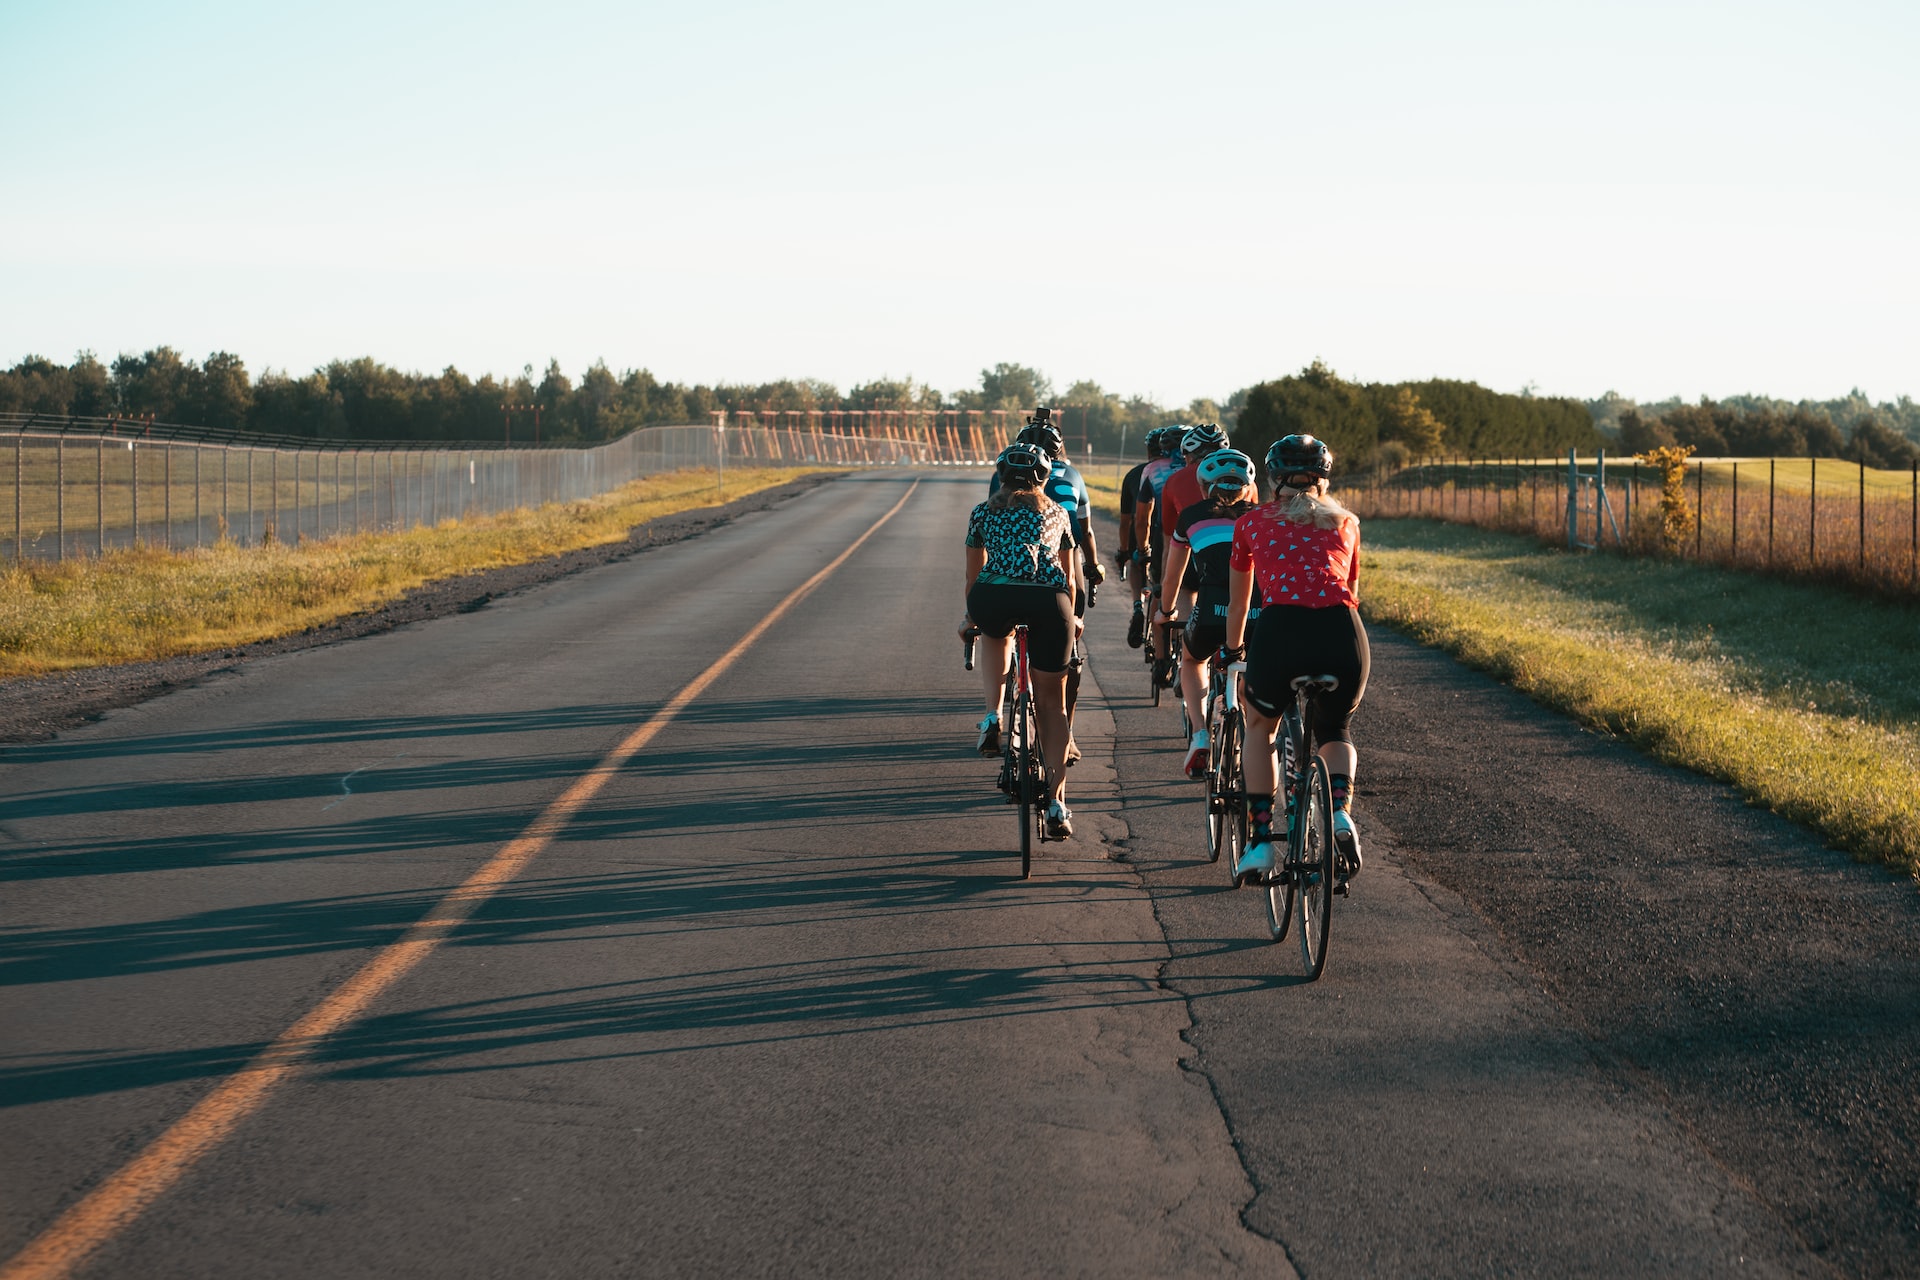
(1220, 786)
(1312, 844)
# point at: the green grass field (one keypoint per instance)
(1804, 697)
(146, 603)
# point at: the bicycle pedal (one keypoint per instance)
(1340, 891)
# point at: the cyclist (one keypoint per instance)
(1021, 568)
(1149, 539)
(1178, 491)
(1204, 536)
(1129, 559)
(1302, 550)
(1065, 487)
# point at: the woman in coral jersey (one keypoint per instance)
(1303, 550)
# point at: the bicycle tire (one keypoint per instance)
(1314, 874)
(1280, 885)
(1023, 781)
(1217, 785)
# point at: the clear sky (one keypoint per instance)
(1169, 199)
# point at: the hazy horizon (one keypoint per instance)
(1661, 200)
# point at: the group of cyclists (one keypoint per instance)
(1236, 568)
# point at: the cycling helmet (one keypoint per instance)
(1204, 438)
(1165, 440)
(1043, 436)
(1226, 468)
(1022, 462)
(1299, 455)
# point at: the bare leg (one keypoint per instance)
(1340, 757)
(1261, 766)
(990, 660)
(1193, 688)
(1050, 709)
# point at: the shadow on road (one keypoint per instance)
(829, 995)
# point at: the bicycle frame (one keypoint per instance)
(1022, 775)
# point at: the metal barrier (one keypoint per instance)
(80, 487)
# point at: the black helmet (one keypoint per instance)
(1203, 439)
(1022, 462)
(1042, 435)
(1299, 455)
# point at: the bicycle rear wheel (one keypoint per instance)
(1217, 783)
(1283, 883)
(1029, 794)
(1233, 791)
(1312, 843)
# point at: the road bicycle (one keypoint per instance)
(1023, 777)
(1305, 882)
(1156, 643)
(1226, 782)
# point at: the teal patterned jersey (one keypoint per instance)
(1022, 543)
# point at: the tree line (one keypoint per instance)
(1853, 427)
(363, 399)
(1391, 424)
(1368, 424)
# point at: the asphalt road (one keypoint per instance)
(773, 1002)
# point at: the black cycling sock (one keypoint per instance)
(1260, 812)
(1342, 785)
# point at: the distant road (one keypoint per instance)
(766, 997)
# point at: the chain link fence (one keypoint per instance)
(81, 487)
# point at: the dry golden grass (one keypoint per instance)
(145, 603)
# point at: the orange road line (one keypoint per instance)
(114, 1205)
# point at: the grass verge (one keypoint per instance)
(1805, 698)
(146, 603)
(1103, 491)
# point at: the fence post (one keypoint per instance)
(60, 494)
(252, 534)
(197, 531)
(1599, 498)
(166, 496)
(1573, 502)
(19, 479)
(100, 497)
(1699, 508)
(1813, 510)
(1772, 463)
(1733, 551)
(1863, 509)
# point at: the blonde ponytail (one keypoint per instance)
(1316, 509)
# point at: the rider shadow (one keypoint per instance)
(794, 999)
